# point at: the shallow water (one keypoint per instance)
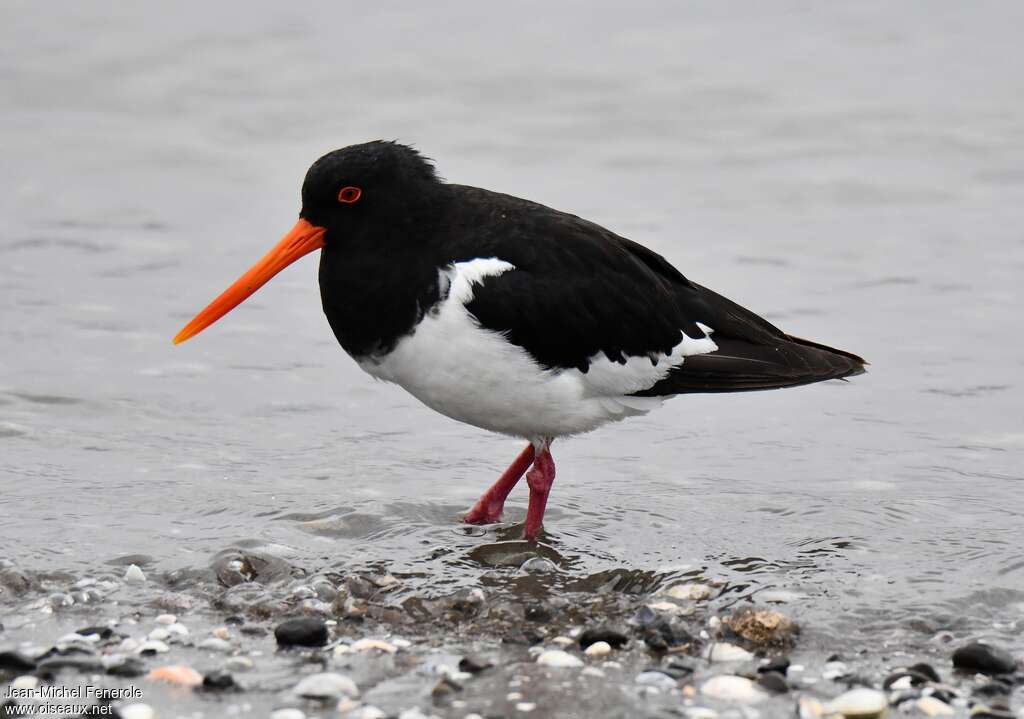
(853, 173)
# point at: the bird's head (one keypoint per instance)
(345, 194)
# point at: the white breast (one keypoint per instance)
(475, 375)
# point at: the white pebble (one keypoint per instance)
(695, 592)
(934, 707)
(670, 608)
(178, 630)
(215, 644)
(368, 712)
(861, 702)
(134, 575)
(160, 634)
(26, 681)
(656, 679)
(525, 707)
(732, 689)
(834, 670)
(592, 672)
(326, 685)
(563, 641)
(365, 645)
(238, 664)
(79, 638)
(166, 619)
(810, 708)
(558, 658)
(725, 652)
(137, 711)
(598, 649)
(401, 643)
(700, 713)
(288, 713)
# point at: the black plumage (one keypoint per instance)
(578, 289)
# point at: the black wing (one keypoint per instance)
(579, 289)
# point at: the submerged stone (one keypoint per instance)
(302, 632)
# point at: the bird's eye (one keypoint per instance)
(349, 194)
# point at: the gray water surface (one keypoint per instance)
(854, 173)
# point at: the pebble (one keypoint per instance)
(763, 626)
(215, 644)
(326, 685)
(700, 713)
(177, 674)
(670, 608)
(135, 575)
(598, 649)
(732, 689)
(222, 633)
(656, 679)
(152, 646)
(563, 641)
(166, 619)
(367, 712)
(366, 645)
(558, 658)
(539, 565)
(985, 658)
(287, 713)
(933, 707)
(136, 711)
(859, 703)
(592, 672)
(16, 661)
(609, 635)
(218, 681)
(474, 665)
(160, 634)
(525, 706)
(26, 681)
(238, 664)
(695, 592)
(119, 665)
(810, 708)
(778, 664)
(774, 682)
(834, 670)
(303, 632)
(725, 652)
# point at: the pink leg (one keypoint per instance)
(489, 507)
(540, 479)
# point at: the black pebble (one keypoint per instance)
(993, 714)
(981, 657)
(15, 661)
(779, 665)
(603, 633)
(302, 632)
(218, 681)
(773, 682)
(474, 665)
(993, 689)
(660, 635)
(835, 658)
(130, 667)
(927, 670)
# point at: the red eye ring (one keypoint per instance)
(349, 194)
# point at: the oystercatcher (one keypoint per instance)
(511, 316)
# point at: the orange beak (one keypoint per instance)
(300, 240)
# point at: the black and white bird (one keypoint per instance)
(511, 316)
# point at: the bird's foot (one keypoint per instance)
(487, 510)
